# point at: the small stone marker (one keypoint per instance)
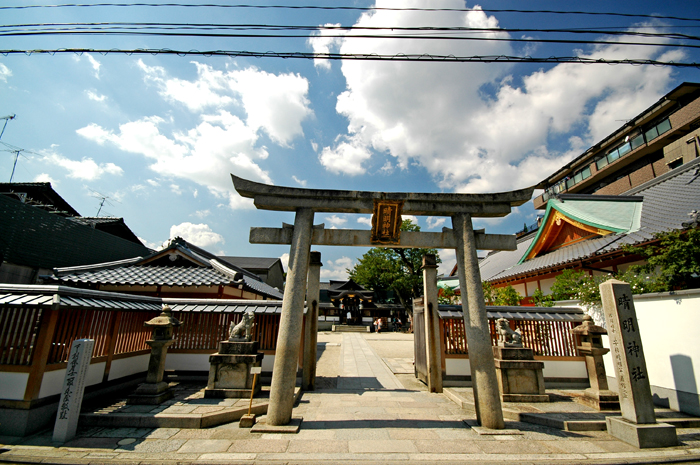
(638, 423)
(72, 392)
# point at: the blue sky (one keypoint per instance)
(160, 134)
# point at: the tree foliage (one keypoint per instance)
(500, 296)
(397, 269)
(675, 259)
(673, 263)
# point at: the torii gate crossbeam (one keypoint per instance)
(460, 207)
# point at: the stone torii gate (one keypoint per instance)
(386, 209)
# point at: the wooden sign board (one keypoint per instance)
(386, 222)
(255, 370)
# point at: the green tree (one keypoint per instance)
(541, 300)
(507, 296)
(393, 268)
(500, 296)
(675, 260)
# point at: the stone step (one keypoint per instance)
(350, 329)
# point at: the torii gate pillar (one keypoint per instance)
(284, 372)
(386, 208)
(487, 400)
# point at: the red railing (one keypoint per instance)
(550, 338)
(122, 330)
(19, 328)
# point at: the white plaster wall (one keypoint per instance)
(128, 366)
(13, 385)
(268, 362)
(668, 325)
(520, 288)
(565, 369)
(546, 285)
(186, 362)
(52, 382)
(457, 367)
(552, 369)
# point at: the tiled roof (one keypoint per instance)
(668, 199)
(251, 263)
(202, 269)
(140, 275)
(517, 313)
(45, 296)
(33, 237)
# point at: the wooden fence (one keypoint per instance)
(116, 332)
(547, 338)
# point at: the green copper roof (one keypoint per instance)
(613, 215)
(619, 214)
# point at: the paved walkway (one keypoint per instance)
(373, 416)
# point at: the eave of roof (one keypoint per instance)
(667, 201)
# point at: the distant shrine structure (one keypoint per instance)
(386, 209)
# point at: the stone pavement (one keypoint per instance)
(374, 416)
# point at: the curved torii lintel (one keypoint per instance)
(269, 197)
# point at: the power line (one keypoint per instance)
(354, 36)
(347, 30)
(424, 58)
(183, 30)
(347, 8)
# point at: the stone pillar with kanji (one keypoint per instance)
(638, 424)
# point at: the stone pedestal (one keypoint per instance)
(598, 396)
(519, 376)
(150, 394)
(229, 371)
(155, 390)
(643, 436)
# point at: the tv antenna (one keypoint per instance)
(7, 120)
(104, 199)
(17, 151)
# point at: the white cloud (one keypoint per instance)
(321, 43)
(5, 73)
(86, 169)
(222, 142)
(175, 189)
(435, 221)
(274, 103)
(336, 220)
(151, 245)
(202, 213)
(43, 177)
(365, 220)
(336, 269)
(207, 91)
(412, 218)
(449, 260)
(446, 121)
(301, 182)
(346, 157)
(200, 235)
(219, 145)
(285, 261)
(153, 182)
(195, 193)
(94, 96)
(95, 65)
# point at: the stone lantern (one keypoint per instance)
(155, 390)
(598, 395)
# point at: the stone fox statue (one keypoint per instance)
(244, 329)
(506, 336)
